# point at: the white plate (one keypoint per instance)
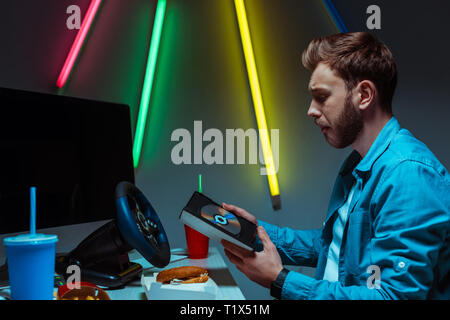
(185, 291)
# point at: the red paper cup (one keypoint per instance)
(197, 243)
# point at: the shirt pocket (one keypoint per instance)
(356, 258)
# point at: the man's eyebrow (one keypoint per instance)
(318, 89)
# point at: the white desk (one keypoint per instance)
(218, 271)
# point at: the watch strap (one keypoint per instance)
(277, 286)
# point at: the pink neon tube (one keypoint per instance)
(76, 46)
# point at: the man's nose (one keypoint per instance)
(313, 111)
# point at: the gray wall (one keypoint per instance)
(201, 75)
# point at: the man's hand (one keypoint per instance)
(240, 212)
(261, 267)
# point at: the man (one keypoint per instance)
(386, 234)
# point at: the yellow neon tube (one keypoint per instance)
(258, 103)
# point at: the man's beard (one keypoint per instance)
(348, 125)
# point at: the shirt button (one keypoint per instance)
(401, 264)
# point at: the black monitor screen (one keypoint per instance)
(74, 151)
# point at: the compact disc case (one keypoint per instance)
(209, 218)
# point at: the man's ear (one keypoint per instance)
(366, 91)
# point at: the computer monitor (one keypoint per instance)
(74, 151)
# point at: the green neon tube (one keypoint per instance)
(148, 81)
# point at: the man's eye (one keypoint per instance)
(320, 99)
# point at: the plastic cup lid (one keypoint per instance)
(31, 239)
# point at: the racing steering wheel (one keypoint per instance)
(140, 225)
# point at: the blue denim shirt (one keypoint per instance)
(399, 221)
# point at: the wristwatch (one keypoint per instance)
(277, 285)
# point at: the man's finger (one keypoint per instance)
(239, 212)
(241, 253)
(264, 237)
(234, 209)
(233, 259)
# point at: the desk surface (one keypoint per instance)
(228, 289)
(218, 270)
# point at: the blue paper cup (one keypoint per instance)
(31, 266)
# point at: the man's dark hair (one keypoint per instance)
(355, 57)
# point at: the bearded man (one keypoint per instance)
(386, 233)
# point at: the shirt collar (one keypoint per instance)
(362, 167)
